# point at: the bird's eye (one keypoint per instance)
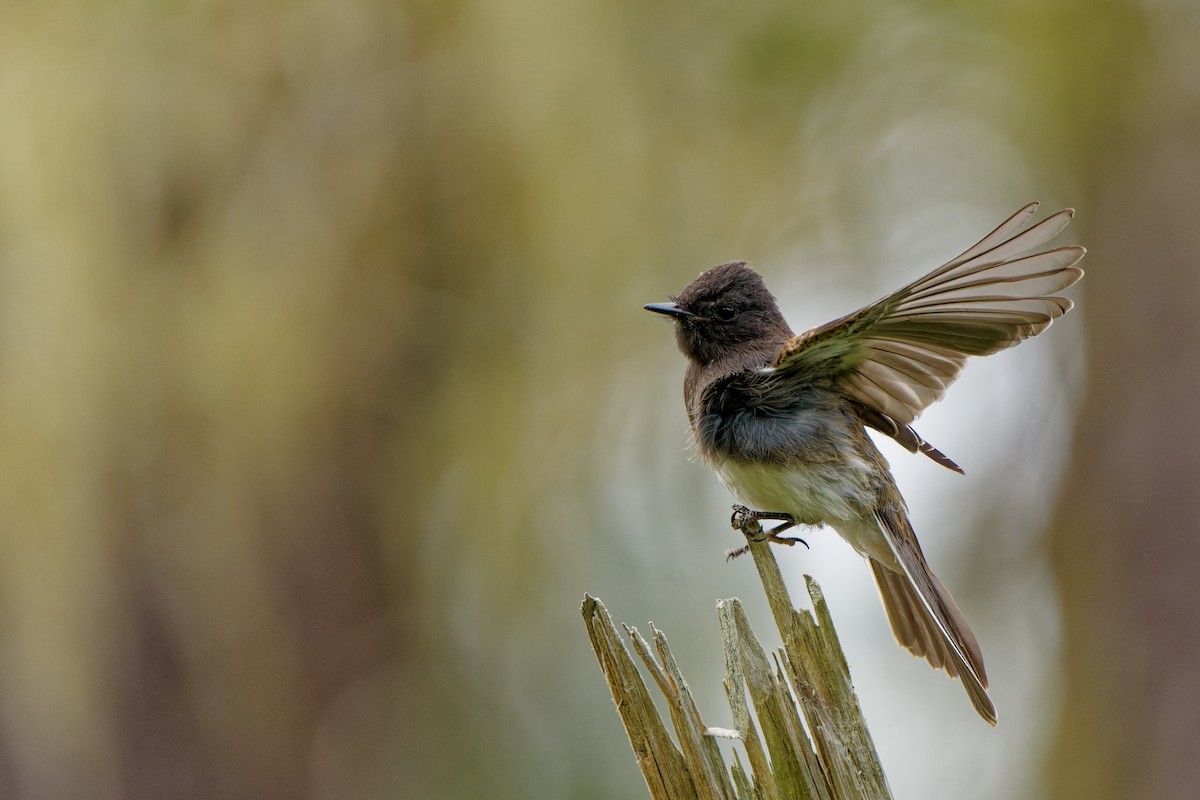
(726, 313)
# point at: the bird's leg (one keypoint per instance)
(748, 522)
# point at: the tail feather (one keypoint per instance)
(924, 616)
(918, 632)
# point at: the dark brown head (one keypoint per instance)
(727, 310)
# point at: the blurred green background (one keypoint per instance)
(326, 392)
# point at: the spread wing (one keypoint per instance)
(897, 356)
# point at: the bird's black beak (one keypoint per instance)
(670, 309)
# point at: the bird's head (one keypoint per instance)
(726, 310)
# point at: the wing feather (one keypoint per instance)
(1046, 267)
(897, 356)
(1003, 244)
(1004, 231)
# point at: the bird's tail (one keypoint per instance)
(925, 618)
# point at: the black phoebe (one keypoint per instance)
(781, 418)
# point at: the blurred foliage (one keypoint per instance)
(325, 391)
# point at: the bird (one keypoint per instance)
(782, 418)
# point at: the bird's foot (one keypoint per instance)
(749, 523)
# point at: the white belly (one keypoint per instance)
(821, 493)
(841, 497)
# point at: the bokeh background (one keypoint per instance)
(326, 392)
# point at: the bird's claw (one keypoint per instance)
(749, 522)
